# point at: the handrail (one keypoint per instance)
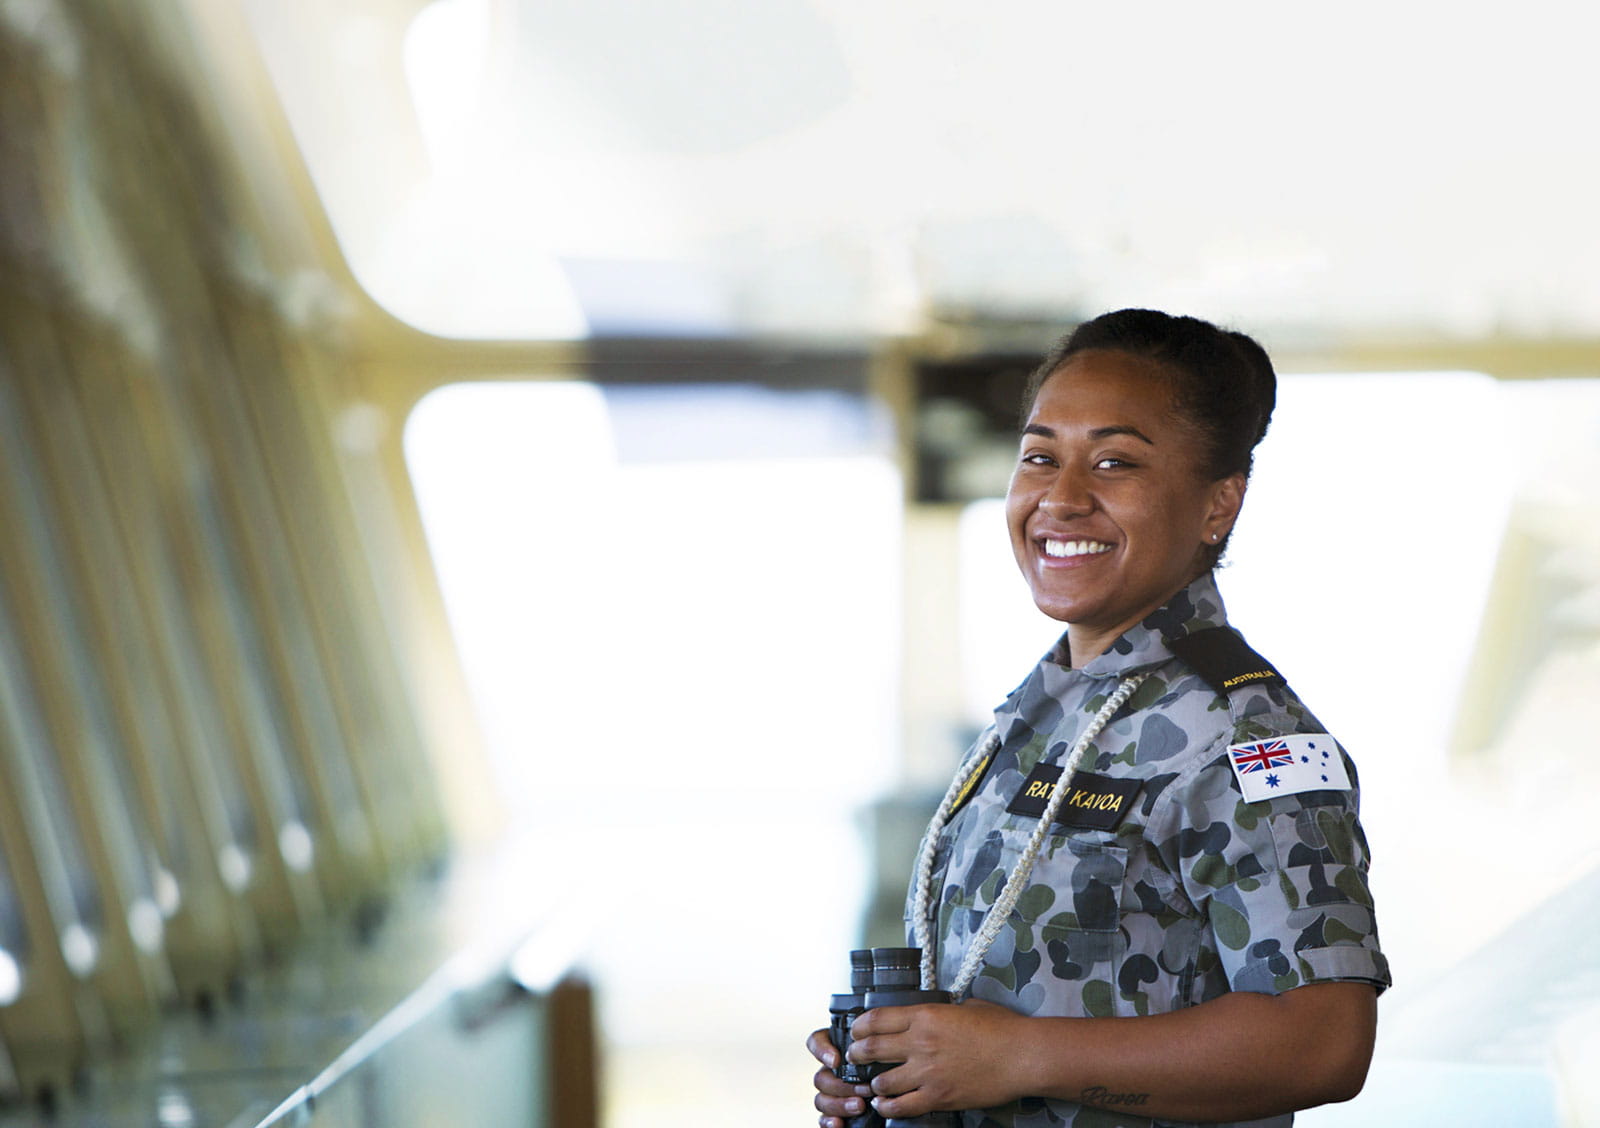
(534, 966)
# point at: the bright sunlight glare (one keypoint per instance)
(686, 669)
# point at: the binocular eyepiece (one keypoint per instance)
(880, 977)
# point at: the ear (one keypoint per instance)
(1227, 495)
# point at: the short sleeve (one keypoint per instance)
(1283, 883)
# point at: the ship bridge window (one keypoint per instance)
(677, 606)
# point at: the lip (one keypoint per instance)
(1076, 561)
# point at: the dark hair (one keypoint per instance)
(1222, 381)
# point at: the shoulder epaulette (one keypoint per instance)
(1225, 660)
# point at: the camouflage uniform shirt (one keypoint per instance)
(1193, 893)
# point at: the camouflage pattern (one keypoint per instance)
(1195, 892)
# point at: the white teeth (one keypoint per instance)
(1075, 548)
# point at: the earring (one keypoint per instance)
(1213, 538)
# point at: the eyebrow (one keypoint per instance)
(1097, 433)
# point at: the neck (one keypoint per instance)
(1087, 643)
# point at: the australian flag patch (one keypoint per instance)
(1288, 765)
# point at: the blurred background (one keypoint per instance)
(500, 547)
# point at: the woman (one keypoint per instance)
(1182, 932)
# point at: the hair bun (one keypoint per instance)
(1264, 380)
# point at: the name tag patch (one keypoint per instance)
(1092, 802)
(1288, 765)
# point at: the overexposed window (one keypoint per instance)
(678, 610)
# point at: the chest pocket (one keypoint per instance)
(1058, 950)
(1067, 923)
(1076, 883)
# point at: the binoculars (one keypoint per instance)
(881, 977)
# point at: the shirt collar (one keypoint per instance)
(1195, 608)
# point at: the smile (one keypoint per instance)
(1059, 548)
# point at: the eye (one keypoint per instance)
(1037, 458)
(1111, 462)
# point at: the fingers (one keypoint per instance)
(901, 1093)
(882, 1020)
(837, 1099)
(828, 1083)
(821, 1046)
(907, 1106)
(879, 1048)
(874, 1036)
(837, 1108)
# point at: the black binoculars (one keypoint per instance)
(881, 977)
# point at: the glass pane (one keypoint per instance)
(259, 704)
(679, 612)
(35, 779)
(13, 937)
(105, 761)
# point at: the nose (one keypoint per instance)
(1069, 494)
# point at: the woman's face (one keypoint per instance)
(1109, 511)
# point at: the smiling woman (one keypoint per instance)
(1152, 862)
(1110, 510)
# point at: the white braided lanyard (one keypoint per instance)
(995, 919)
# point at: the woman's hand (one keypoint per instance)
(1181, 1066)
(956, 1056)
(835, 1099)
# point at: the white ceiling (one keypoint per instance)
(859, 166)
